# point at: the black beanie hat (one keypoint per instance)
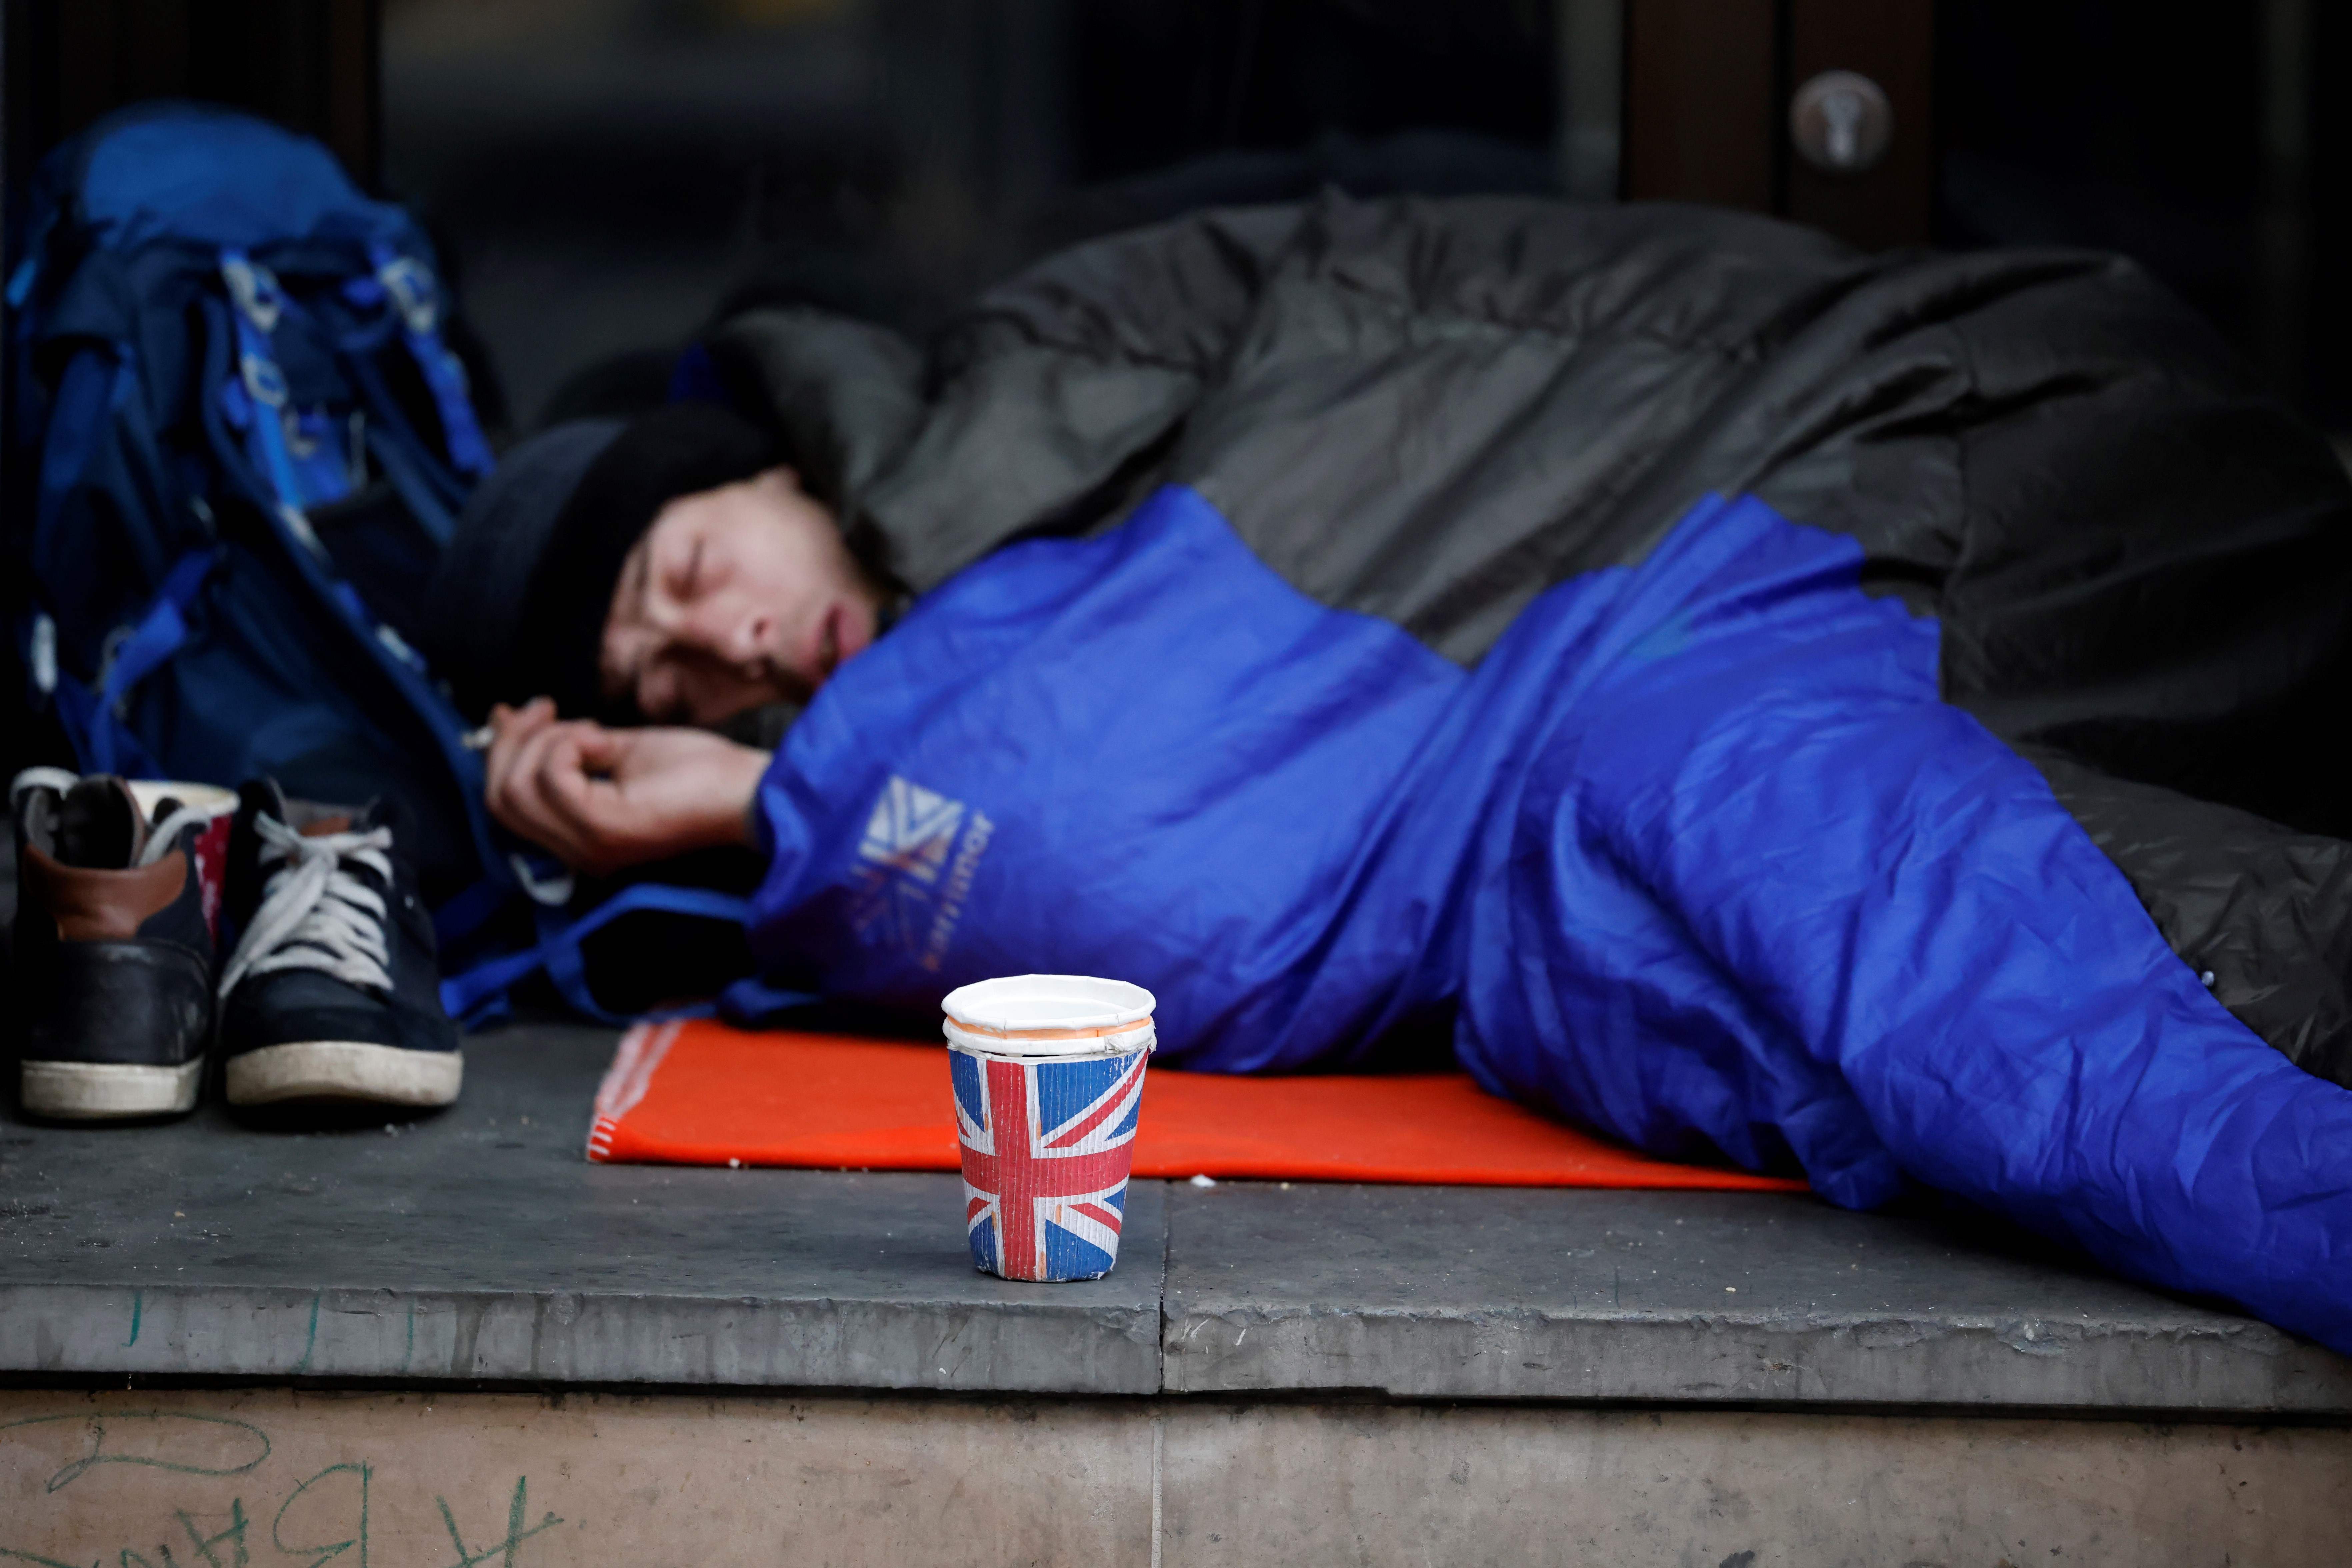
(521, 597)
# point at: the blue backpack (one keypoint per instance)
(241, 442)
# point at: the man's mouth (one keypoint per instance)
(800, 678)
(836, 641)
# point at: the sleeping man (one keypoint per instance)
(1862, 716)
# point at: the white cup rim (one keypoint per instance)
(1031, 1004)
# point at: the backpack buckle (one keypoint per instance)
(410, 284)
(550, 892)
(254, 288)
(264, 382)
(42, 654)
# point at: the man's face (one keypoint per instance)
(735, 598)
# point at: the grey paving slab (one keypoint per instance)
(1494, 1293)
(480, 1245)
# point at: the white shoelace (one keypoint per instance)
(314, 914)
(31, 779)
(162, 838)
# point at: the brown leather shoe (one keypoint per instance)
(113, 950)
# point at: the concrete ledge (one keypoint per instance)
(564, 1338)
(479, 1245)
(1515, 1294)
(482, 1245)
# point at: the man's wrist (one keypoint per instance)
(746, 819)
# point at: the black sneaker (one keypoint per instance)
(332, 993)
(113, 948)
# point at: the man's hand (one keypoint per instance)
(602, 799)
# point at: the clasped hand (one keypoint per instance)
(603, 799)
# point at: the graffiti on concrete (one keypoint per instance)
(323, 1516)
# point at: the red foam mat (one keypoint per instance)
(700, 1093)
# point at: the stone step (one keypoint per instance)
(425, 1479)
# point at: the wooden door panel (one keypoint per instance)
(1699, 101)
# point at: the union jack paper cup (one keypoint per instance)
(219, 806)
(1048, 1072)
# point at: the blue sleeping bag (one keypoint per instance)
(1873, 716)
(1696, 854)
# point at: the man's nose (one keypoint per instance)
(747, 641)
(726, 633)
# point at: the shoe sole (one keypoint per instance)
(108, 1092)
(344, 1070)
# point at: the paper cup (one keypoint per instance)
(212, 844)
(1048, 1073)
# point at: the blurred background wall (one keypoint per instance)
(607, 171)
(604, 174)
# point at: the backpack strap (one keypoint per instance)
(93, 720)
(256, 306)
(473, 996)
(414, 294)
(265, 436)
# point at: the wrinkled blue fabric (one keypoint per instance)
(1696, 857)
(213, 177)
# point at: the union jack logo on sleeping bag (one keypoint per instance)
(1046, 1147)
(905, 847)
